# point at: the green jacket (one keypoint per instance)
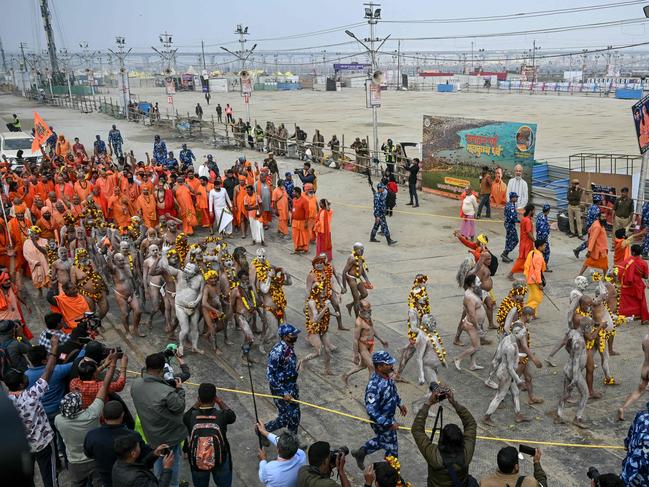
(437, 474)
(160, 408)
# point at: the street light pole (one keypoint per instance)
(121, 55)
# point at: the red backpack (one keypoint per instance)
(207, 447)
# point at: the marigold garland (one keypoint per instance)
(91, 275)
(324, 276)
(182, 247)
(321, 327)
(423, 309)
(395, 464)
(360, 263)
(262, 268)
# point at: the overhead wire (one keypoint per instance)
(519, 15)
(546, 30)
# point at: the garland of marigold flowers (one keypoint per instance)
(360, 263)
(507, 304)
(324, 276)
(316, 328)
(395, 464)
(423, 309)
(182, 247)
(262, 268)
(90, 275)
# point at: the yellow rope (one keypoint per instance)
(405, 428)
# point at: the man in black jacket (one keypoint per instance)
(99, 443)
(130, 471)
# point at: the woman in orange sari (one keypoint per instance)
(323, 230)
(186, 206)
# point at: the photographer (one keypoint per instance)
(171, 353)
(634, 466)
(284, 470)
(14, 345)
(322, 462)
(160, 408)
(88, 383)
(306, 174)
(448, 461)
(131, 471)
(54, 324)
(508, 471)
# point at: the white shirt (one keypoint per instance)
(281, 473)
(203, 170)
(218, 199)
(519, 186)
(469, 205)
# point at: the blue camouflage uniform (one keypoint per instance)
(511, 219)
(635, 467)
(379, 212)
(282, 379)
(543, 233)
(289, 186)
(116, 141)
(100, 147)
(591, 216)
(643, 224)
(381, 402)
(160, 152)
(186, 158)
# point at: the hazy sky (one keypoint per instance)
(141, 21)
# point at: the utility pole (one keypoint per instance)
(242, 54)
(472, 67)
(203, 53)
(49, 33)
(65, 59)
(167, 54)
(23, 68)
(87, 56)
(398, 65)
(373, 15)
(121, 55)
(4, 59)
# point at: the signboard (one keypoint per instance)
(352, 67)
(373, 94)
(246, 86)
(454, 150)
(641, 119)
(170, 85)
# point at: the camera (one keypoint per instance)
(593, 474)
(169, 351)
(90, 320)
(527, 450)
(438, 389)
(165, 451)
(333, 454)
(107, 351)
(297, 171)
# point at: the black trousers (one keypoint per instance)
(47, 466)
(412, 189)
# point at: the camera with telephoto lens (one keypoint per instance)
(297, 171)
(440, 390)
(90, 320)
(593, 474)
(107, 351)
(333, 454)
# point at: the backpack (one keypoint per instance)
(207, 447)
(5, 359)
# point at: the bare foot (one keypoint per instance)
(458, 342)
(349, 308)
(300, 365)
(535, 400)
(181, 351)
(488, 421)
(519, 418)
(328, 372)
(485, 341)
(492, 326)
(228, 342)
(571, 400)
(245, 361)
(398, 378)
(550, 362)
(457, 364)
(510, 277)
(620, 414)
(198, 350)
(218, 351)
(342, 328)
(613, 353)
(491, 384)
(595, 395)
(345, 379)
(476, 367)
(558, 419)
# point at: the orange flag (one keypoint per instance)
(42, 132)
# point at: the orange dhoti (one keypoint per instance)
(601, 263)
(300, 235)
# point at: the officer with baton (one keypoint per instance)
(282, 380)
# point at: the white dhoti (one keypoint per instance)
(256, 230)
(223, 220)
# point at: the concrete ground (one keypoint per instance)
(425, 245)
